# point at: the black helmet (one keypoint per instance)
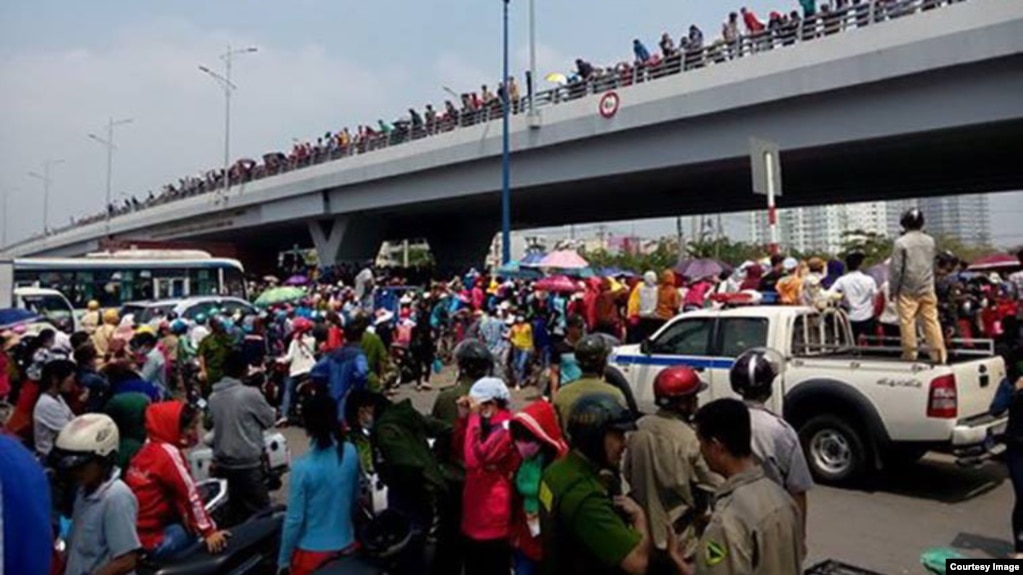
(591, 354)
(589, 420)
(753, 374)
(912, 219)
(474, 359)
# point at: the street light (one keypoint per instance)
(225, 83)
(47, 181)
(108, 143)
(532, 58)
(505, 156)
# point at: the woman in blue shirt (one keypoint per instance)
(322, 495)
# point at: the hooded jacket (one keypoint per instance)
(490, 464)
(541, 421)
(160, 479)
(668, 299)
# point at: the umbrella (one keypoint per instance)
(516, 271)
(296, 281)
(995, 262)
(701, 268)
(564, 259)
(613, 272)
(278, 295)
(556, 78)
(581, 273)
(560, 284)
(532, 260)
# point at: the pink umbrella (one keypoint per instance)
(995, 262)
(559, 284)
(564, 259)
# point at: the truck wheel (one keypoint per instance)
(835, 451)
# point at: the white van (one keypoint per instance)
(49, 303)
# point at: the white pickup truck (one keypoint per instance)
(855, 409)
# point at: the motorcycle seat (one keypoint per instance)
(249, 541)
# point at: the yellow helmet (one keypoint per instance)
(93, 305)
(145, 329)
(111, 316)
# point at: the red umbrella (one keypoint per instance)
(559, 284)
(995, 262)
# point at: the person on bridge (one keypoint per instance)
(774, 442)
(640, 51)
(669, 477)
(755, 525)
(912, 285)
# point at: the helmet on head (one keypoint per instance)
(301, 325)
(144, 337)
(591, 354)
(753, 374)
(179, 327)
(93, 305)
(589, 421)
(200, 319)
(912, 219)
(474, 359)
(86, 437)
(676, 383)
(111, 316)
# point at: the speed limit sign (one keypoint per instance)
(609, 103)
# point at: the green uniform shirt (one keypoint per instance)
(445, 407)
(213, 350)
(581, 530)
(376, 357)
(569, 394)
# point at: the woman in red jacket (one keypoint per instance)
(171, 514)
(539, 443)
(490, 464)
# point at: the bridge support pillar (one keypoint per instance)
(346, 239)
(458, 246)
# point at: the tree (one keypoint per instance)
(876, 247)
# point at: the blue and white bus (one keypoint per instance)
(113, 278)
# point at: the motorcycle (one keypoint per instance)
(276, 459)
(252, 548)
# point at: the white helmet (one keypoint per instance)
(87, 436)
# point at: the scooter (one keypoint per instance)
(276, 458)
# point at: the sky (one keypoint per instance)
(66, 67)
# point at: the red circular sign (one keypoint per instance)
(609, 103)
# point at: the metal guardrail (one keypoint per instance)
(857, 14)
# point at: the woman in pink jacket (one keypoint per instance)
(490, 464)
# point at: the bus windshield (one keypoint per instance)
(113, 281)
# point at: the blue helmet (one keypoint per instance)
(178, 327)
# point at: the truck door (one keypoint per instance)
(684, 342)
(734, 336)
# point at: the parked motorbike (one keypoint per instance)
(276, 458)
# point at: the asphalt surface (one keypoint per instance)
(885, 528)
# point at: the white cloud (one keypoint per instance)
(51, 100)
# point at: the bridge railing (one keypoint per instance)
(857, 14)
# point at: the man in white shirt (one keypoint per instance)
(858, 295)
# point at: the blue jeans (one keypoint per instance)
(520, 361)
(175, 540)
(524, 565)
(287, 396)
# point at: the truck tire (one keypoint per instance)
(836, 451)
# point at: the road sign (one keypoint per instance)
(609, 103)
(765, 163)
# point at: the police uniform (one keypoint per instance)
(664, 467)
(777, 447)
(581, 531)
(754, 530)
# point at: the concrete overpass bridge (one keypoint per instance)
(926, 104)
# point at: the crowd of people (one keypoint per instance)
(742, 33)
(573, 482)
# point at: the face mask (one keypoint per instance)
(527, 449)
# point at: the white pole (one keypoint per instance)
(227, 118)
(533, 80)
(110, 163)
(772, 211)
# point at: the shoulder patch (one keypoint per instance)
(714, 553)
(546, 496)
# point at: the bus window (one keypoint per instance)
(204, 281)
(234, 283)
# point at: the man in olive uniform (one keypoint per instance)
(755, 527)
(586, 526)
(663, 465)
(591, 354)
(474, 362)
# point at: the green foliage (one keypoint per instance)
(877, 247)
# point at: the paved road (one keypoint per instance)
(886, 528)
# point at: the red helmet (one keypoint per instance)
(675, 383)
(301, 325)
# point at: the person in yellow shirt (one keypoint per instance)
(521, 336)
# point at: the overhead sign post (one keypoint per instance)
(765, 165)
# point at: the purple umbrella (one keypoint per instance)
(701, 268)
(296, 281)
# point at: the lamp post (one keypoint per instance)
(533, 81)
(505, 157)
(228, 87)
(108, 143)
(47, 181)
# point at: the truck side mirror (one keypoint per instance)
(644, 346)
